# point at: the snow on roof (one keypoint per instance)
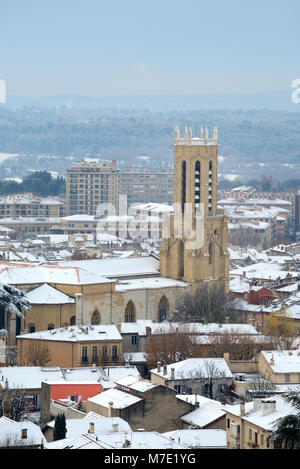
(111, 268)
(195, 367)
(134, 357)
(285, 361)
(268, 421)
(12, 431)
(264, 270)
(77, 334)
(120, 399)
(47, 295)
(116, 373)
(148, 283)
(77, 427)
(139, 327)
(22, 273)
(116, 440)
(28, 377)
(207, 412)
(137, 383)
(208, 438)
(239, 285)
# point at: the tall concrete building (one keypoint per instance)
(89, 183)
(202, 257)
(146, 185)
(92, 182)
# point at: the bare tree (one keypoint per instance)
(170, 346)
(13, 403)
(210, 381)
(209, 303)
(36, 354)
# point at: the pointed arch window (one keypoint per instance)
(96, 320)
(183, 185)
(163, 309)
(72, 320)
(130, 312)
(210, 186)
(197, 184)
(210, 253)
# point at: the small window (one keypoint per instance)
(134, 340)
(228, 423)
(287, 377)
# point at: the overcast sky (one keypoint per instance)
(126, 47)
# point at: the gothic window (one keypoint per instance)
(197, 185)
(210, 253)
(95, 318)
(73, 321)
(130, 312)
(183, 185)
(163, 308)
(210, 186)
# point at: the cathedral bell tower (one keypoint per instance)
(194, 244)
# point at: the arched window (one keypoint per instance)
(50, 327)
(183, 185)
(130, 312)
(73, 321)
(96, 318)
(181, 259)
(210, 186)
(210, 253)
(163, 309)
(197, 185)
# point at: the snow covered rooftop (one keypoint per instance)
(77, 334)
(264, 271)
(256, 417)
(114, 268)
(11, 432)
(208, 438)
(47, 295)
(195, 368)
(76, 427)
(148, 283)
(120, 399)
(22, 273)
(285, 361)
(207, 412)
(136, 383)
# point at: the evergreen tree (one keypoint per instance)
(287, 428)
(60, 428)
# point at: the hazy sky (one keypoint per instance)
(122, 47)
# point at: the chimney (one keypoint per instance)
(272, 361)
(115, 427)
(172, 373)
(242, 409)
(257, 402)
(197, 404)
(165, 370)
(268, 407)
(110, 404)
(6, 383)
(158, 367)
(226, 357)
(91, 427)
(148, 331)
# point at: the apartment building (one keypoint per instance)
(93, 181)
(146, 185)
(89, 183)
(30, 206)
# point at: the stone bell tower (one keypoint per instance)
(194, 244)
